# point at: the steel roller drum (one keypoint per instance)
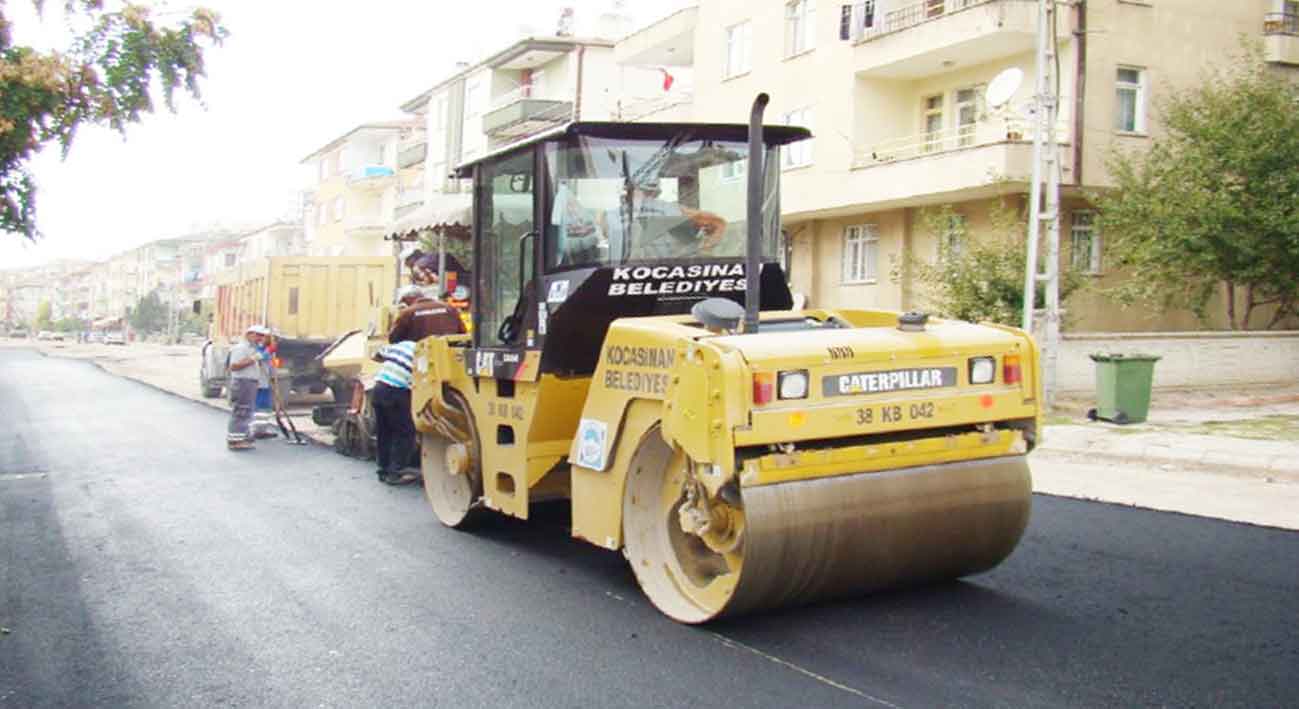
(839, 537)
(842, 536)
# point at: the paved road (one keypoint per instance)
(141, 564)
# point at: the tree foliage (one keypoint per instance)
(149, 315)
(978, 279)
(44, 311)
(105, 77)
(71, 324)
(1213, 205)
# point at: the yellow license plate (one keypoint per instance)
(896, 413)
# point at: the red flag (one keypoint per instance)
(667, 80)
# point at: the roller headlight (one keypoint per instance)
(793, 384)
(983, 370)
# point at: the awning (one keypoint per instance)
(451, 212)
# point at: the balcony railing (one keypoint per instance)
(1010, 130)
(364, 222)
(638, 108)
(411, 152)
(410, 196)
(1281, 23)
(876, 24)
(524, 115)
(369, 172)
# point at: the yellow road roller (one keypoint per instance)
(635, 352)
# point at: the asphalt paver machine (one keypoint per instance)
(635, 353)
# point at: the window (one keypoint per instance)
(734, 171)
(383, 154)
(800, 153)
(473, 96)
(855, 19)
(340, 209)
(323, 171)
(293, 301)
(952, 241)
(800, 27)
(860, 253)
(1084, 243)
(1130, 116)
(967, 114)
(322, 215)
(933, 122)
(739, 49)
(230, 258)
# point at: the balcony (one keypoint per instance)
(412, 152)
(371, 178)
(517, 114)
(937, 36)
(364, 225)
(408, 200)
(1281, 38)
(972, 162)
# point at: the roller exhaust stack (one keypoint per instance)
(753, 249)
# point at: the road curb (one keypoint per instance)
(1270, 470)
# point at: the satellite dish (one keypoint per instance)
(1002, 88)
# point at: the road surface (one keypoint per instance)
(142, 564)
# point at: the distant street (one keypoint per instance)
(142, 564)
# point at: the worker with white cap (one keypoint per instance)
(247, 360)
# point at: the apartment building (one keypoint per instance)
(278, 238)
(893, 91)
(355, 190)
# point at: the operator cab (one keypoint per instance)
(592, 222)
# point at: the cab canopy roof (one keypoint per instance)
(729, 132)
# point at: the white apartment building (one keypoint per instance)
(534, 84)
(275, 239)
(355, 191)
(893, 93)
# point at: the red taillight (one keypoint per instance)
(1010, 371)
(764, 388)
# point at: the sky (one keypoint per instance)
(293, 75)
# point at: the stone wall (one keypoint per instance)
(1189, 359)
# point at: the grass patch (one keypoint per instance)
(1276, 427)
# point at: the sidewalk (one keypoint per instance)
(1251, 433)
(1227, 454)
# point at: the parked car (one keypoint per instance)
(114, 338)
(45, 335)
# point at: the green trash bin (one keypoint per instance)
(1123, 384)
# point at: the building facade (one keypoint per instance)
(907, 155)
(355, 190)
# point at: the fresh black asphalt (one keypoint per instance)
(142, 564)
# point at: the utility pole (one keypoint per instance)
(1046, 165)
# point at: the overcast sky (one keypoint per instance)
(293, 75)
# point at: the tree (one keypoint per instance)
(978, 279)
(44, 315)
(70, 324)
(1213, 206)
(104, 78)
(149, 314)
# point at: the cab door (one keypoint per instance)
(505, 359)
(505, 297)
